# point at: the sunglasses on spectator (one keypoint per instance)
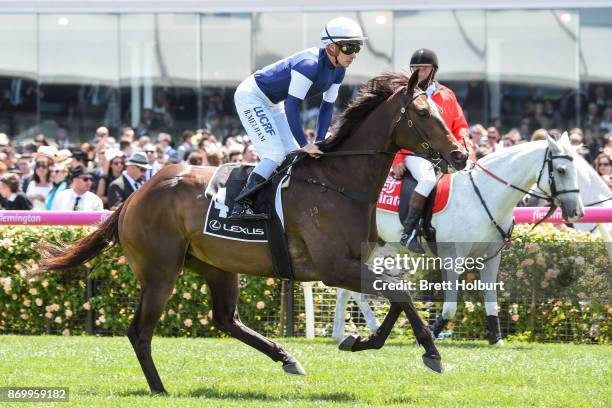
(42, 165)
(57, 171)
(350, 48)
(605, 164)
(86, 179)
(118, 163)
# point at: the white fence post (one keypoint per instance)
(308, 309)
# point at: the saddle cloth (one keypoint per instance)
(389, 198)
(225, 184)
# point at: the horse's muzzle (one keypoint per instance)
(572, 215)
(458, 159)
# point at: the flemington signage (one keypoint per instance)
(53, 217)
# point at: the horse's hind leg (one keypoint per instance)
(152, 301)
(224, 290)
(157, 270)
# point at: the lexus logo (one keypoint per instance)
(214, 225)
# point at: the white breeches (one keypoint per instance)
(423, 171)
(265, 122)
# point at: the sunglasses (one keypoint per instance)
(57, 171)
(85, 179)
(350, 48)
(605, 164)
(117, 163)
(42, 166)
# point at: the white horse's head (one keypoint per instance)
(560, 180)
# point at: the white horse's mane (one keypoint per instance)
(506, 152)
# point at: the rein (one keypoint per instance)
(548, 160)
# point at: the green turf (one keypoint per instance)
(224, 372)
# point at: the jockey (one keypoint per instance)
(268, 102)
(421, 169)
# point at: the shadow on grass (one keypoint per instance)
(482, 345)
(213, 393)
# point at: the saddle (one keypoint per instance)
(225, 184)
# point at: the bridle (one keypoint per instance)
(432, 155)
(550, 198)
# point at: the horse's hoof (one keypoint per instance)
(294, 368)
(161, 393)
(498, 343)
(347, 343)
(434, 363)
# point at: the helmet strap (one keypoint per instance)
(335, 55)
(425, 83)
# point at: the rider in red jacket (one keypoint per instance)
(421, 169)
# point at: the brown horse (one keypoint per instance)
(160, 226)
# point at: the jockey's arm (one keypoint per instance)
(292, 111)
(459, 127)
(301, 81)
(327, 108)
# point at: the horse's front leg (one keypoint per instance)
(449, 309)
(351, 274)
(489, 276)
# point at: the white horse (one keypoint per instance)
(464, 228)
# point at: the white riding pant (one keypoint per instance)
(423, 171)
(265, 122)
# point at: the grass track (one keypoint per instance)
(223, 372)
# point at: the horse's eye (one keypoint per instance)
(424, 113)
(561, 170)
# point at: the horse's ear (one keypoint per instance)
(552, 144)
(565, 142)
(413, 81)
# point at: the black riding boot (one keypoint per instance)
(493, 329)
(415, 210)
(243, 208)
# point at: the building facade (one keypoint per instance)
(174, 65)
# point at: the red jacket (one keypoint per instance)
(452, 114)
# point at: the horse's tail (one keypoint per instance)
(55, 257)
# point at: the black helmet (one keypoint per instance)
(424, 56)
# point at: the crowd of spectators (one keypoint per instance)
(103, 172)
(34, 174)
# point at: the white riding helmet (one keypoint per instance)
(341, 29)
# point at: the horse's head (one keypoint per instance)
(559, 178)
(423, 129)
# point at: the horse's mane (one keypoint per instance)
(371, 94)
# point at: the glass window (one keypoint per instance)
(277, 36)
(159, 72)
(534, 86)
(78, 81)
(226, 61)
(596, 76)
(458, 39)
(18, 75)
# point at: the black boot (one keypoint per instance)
(243, 208)
(415, 210)
(493, 329)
